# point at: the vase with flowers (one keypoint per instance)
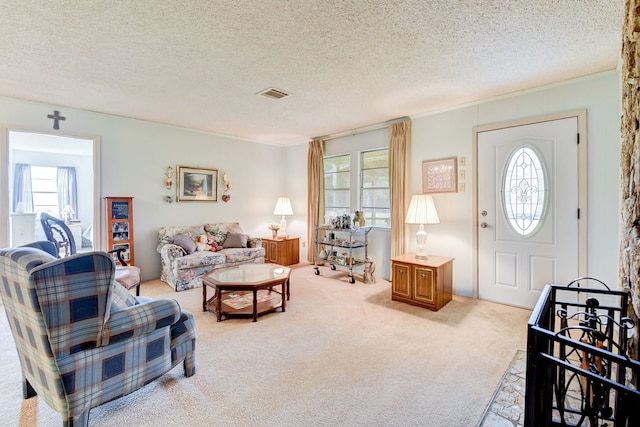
(274, 227)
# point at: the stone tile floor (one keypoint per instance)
(506, 408)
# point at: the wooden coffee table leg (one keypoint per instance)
(255, 305)
(204, 297)
(284, 299)
(219, 304)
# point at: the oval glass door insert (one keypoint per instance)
(524, 190)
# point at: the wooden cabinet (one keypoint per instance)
(282, 251)
(422, 282)
(119, 217)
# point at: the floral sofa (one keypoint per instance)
(183, 266)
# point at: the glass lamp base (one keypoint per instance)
(421, 240)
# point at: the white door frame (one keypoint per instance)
(581, 115)
(4, 178)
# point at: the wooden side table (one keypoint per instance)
(282, 251)
(423, 282)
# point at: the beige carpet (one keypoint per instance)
(342, 355)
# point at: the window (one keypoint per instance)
(367, 182)
(45, 189)
(523, 190)
(374, 187)
(337, 179)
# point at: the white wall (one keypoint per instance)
(449, 133)
(135, 155)
(134, 158)
(295, 187)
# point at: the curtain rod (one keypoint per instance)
(357, 131)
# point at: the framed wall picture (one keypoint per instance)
(197, 184)
(439, 176)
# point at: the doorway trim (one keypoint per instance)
(583, 251)
(4, 179)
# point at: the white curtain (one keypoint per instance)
(22, 187)
(67, 189)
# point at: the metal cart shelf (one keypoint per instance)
(342, 247)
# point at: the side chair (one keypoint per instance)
(58, 233)
(82, 339)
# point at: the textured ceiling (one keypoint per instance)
(347, 64)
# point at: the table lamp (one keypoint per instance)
(422, 211)
(283, 207)
(67, 213)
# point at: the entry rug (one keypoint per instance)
(506, 408)
(239, 301)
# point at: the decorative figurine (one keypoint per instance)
(169, 181)
(227, 186)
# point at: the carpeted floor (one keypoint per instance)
(341, 355)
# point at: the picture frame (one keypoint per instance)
(440, 176)
(197, 184)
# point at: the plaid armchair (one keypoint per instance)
(82, 339)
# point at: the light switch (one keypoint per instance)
(462, 161)
(461, 175)
(461, 187)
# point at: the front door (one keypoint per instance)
(528, 209)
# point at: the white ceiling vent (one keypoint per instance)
(274, 93)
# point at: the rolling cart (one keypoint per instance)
(345, 249)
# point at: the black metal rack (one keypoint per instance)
(578, 369)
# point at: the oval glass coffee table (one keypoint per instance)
(246, 290)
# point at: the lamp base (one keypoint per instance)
(421, 240)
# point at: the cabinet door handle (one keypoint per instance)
(423, 276)
(400, 271)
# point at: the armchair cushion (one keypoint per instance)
(140, 319)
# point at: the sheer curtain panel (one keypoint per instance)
(315, 172)
(67, 189)
(399, 174)
(22, 192)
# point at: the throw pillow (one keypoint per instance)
(185, 242)
(236, 240)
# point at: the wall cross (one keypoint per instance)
(56, 119)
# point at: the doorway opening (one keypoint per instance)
(52, 173)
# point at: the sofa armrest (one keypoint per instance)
(254, 242)
(140, 319)
(171, 251)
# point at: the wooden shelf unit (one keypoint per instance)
(119, 231)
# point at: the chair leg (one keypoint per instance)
(27, 390)
(138, 290)
(190, 364)
(81, 420)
